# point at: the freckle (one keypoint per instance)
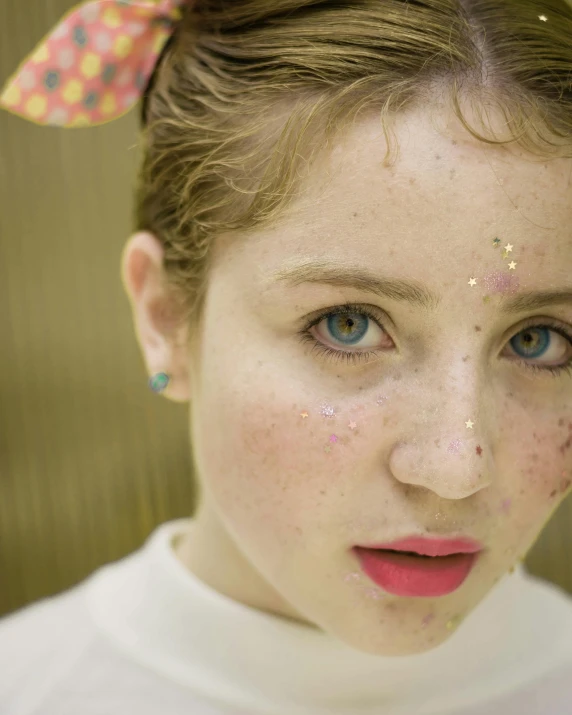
(553, 493)
(561, 421)
(478, 450)
(478, 328)
(466, 358)
(566, 445)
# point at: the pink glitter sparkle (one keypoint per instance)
(454, 447)
(501, 282)
(333, 438)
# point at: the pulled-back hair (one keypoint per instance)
(248, 89)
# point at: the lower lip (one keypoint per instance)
(404, 575)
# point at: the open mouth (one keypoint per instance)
(406, 573)
(413, 553)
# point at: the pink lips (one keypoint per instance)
(405, 574)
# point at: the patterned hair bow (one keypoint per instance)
(95, 65)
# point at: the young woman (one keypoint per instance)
(352, 259)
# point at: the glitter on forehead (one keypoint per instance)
(501, 282)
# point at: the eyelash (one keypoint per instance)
(354, 357)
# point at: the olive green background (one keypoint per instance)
(91, 460)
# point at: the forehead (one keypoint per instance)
(438, 207)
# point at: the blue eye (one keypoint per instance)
(349, 323)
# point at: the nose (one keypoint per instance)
(446, 464)
(444, 448)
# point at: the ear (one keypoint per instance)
(162, 338)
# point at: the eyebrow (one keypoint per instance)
(406, 291)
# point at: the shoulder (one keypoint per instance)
(37, 643)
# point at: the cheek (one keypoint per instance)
(273, 468)
(542, 475)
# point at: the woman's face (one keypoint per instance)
(458, 422)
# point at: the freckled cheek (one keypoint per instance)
(272, 468)
(297, 453)
(546, 473)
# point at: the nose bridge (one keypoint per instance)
(444, 448)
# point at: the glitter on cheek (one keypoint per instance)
(327, 411)
(333, 438)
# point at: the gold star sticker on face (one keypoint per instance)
(472, 282)
(352, 425)
(508, 247)
(505, 255)
(469, 424)
(512, 265)
(303, 415)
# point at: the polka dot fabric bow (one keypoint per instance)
(94, 66)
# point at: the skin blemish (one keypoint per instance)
(553, 493)
(505, 506)
(427, 620)
(478, 328)
(479, 450)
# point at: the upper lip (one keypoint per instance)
(431, 547)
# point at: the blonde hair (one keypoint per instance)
(248, 89)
